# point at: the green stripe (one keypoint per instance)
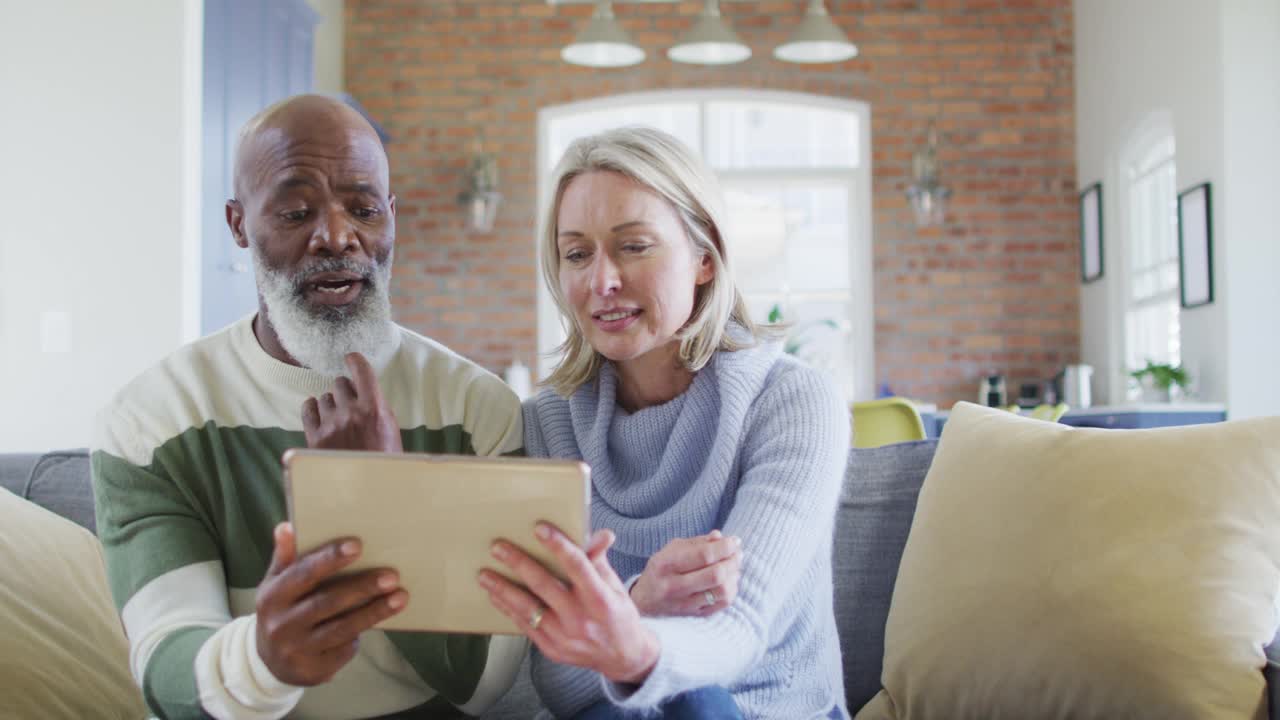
(148, 525)
(210, 493)
(450, 664)
(448, 440)
(169, 682)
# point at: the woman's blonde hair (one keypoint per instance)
(665, 166)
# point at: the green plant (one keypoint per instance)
(1163, 376)
(797, 335)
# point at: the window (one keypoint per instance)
(797, 192)
(1152, 331)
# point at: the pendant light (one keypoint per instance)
(710, 41)
(603, 43)
(817, 39)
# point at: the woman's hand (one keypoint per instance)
(694, 576)
(590, 622)
(354, 416)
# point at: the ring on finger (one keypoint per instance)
(710, 597)
(535, 617)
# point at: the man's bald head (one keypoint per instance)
(303, 125)
(313, 205)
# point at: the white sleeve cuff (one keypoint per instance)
(658, 687)
(232, 680)
(693, 653)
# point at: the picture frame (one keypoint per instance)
(1091, 244)
(1195, 246)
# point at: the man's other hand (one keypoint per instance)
(354, 416)
(309, 622)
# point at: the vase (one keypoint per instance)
(1153, 394)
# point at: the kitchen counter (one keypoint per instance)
(1129, 416)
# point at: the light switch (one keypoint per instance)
(55, 332)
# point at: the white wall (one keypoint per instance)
(1249, 202)
(97, 130)
(1211, 67)
(329, 70)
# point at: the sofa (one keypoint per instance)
(874, 518)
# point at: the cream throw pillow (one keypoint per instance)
(1055, 572)
(63, 652)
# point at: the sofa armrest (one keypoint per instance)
(60, 482)
(15, 471)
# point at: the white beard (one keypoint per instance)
(319, 337)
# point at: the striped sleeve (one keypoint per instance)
(493, 417)
(166, 574)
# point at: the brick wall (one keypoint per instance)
(996, 288)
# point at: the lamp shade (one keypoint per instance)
(816, 40)
(603, 43)
(710, 41)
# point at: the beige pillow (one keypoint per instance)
(1055, 572)
(63, 652)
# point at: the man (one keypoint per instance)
(223, 617)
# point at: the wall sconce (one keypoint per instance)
(481, 198)
(927, 194)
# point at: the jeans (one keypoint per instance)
(708, 703)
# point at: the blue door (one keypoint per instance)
(255, 53)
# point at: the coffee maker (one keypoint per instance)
(992, 391)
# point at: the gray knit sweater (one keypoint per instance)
(755, 447)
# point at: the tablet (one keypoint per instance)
(433, 518)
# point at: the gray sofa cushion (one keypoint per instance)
(15, 470)
(877, 503)
(59, 482)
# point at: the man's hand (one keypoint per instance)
(694, 576)
(309, 623)
(354, 416)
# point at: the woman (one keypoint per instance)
(691, 422)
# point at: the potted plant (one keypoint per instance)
(810, 341)
(1159, 379)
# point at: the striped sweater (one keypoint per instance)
(756, 447)
(187, 487)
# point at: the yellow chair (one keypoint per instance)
(1050, 413)
(886, 421)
